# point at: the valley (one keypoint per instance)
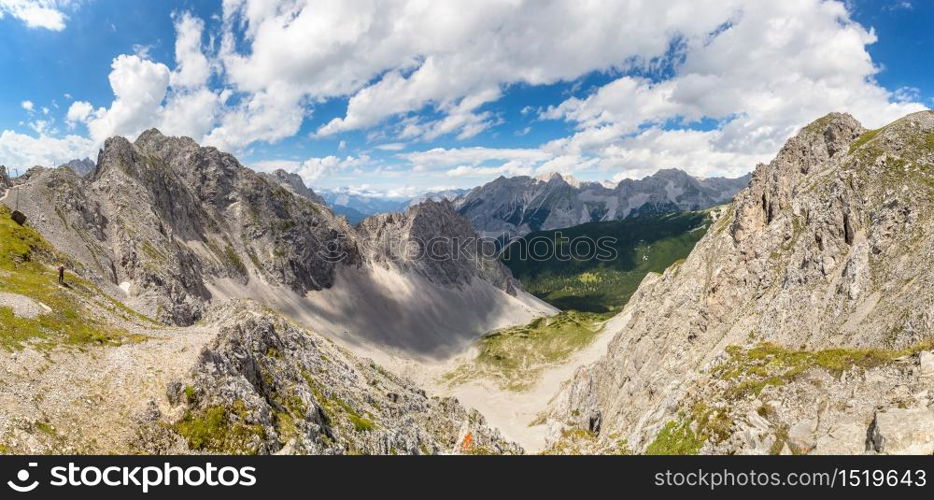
(521, 368)
(253, 247)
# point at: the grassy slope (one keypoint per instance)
(514, 357)
(27, 267)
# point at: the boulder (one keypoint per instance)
(844, 438)
(927, 364)
(900, 431)
(801, 437)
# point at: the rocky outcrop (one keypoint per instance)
(5, 181)
(264, 385)
(294, 182)
(899, 431)
(81, 167)
(516, 206)
(432, 240)
(817, 272)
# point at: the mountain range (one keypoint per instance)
(515, 206)
(175, 226)
(169, 243)
(207, 308)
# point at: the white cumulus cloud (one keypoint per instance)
(192, 67)
(23, 151)
(441, 158)
(79, 111)
(139, 86)
(46, 14)
(773, 68)
(313, 169)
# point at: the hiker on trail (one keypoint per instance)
(61, 274)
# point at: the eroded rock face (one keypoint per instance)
(826, 249)
(165, 224)
(264, 385)
(433, 240)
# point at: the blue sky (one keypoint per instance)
(397, 98)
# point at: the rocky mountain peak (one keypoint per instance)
(818, 142)
(164, 217)
(81, 167)
(772, 186)
(909, 136)
(558, 178)
(118, 152)
(671, 174)
(295, 183)
(432, 239)
(152, 140)
(150, 134)
(168, 223)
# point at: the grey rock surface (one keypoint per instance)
(927, 364)
(898, 431)
(433, 240)
(167, 216)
